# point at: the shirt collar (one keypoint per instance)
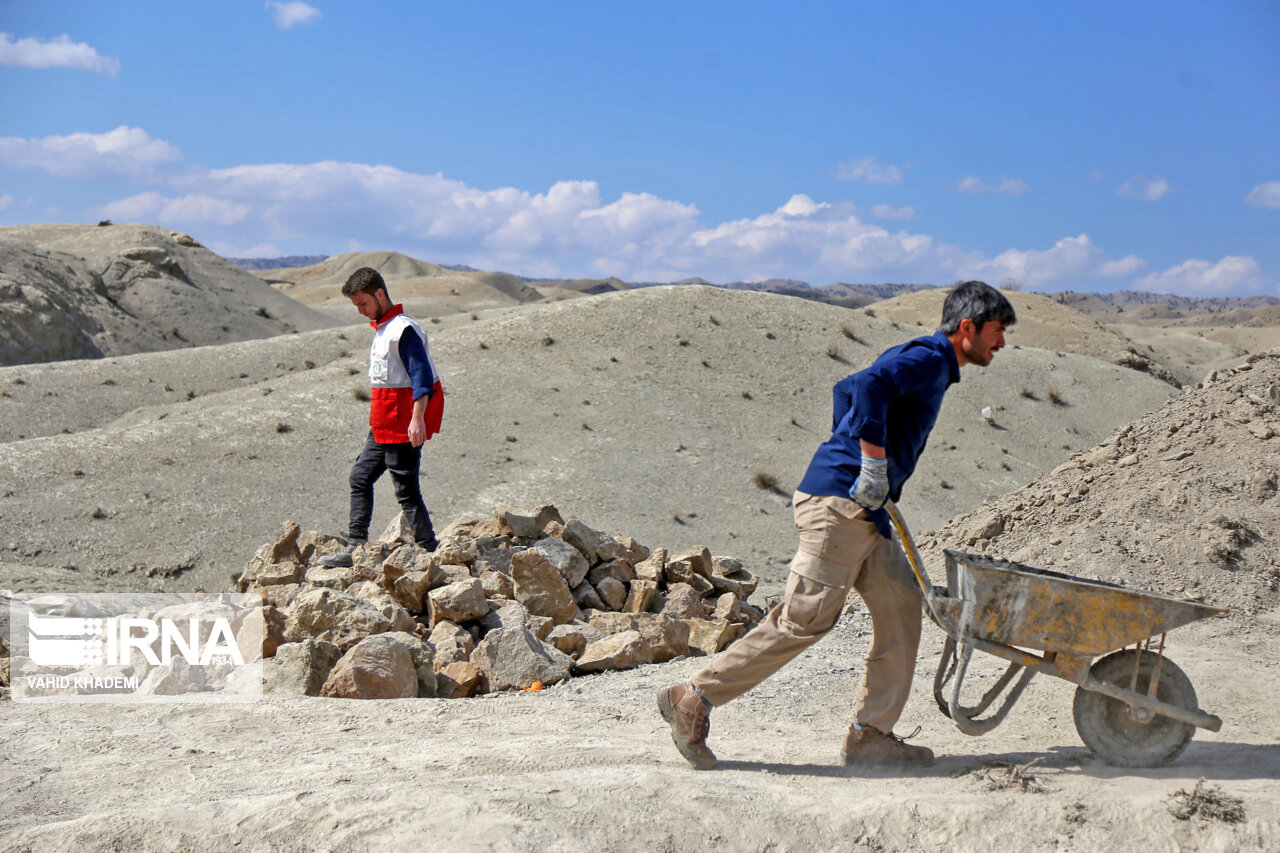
(398, 308)
(944, 343)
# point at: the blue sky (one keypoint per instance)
(1081, 146)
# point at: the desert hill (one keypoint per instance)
(77, 291)
(426, 289)
(1042, 322)
(684, 414)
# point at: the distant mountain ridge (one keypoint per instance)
(286, 262)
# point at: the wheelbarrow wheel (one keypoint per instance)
(1110, 729)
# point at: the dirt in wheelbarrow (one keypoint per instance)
(1182, 501)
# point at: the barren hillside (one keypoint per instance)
(81, 291)
(685, 415)
(427, 290)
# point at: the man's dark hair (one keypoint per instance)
(976, 301)
(364, 280)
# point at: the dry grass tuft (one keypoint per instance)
(1002, 776)
(1209, 802)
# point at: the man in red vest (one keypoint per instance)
(406, 408)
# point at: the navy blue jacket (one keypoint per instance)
(894, 403)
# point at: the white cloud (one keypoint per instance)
(1122, 267)
(570, 230)
(127, 151)
(1145, 188)
(1234, 274)
(1007, 186)
(60, 52)
(1069, 260)
(1265, 195)
(871, 170)
(187, 211)
(888, 211)
(293, 13)
(6, 201)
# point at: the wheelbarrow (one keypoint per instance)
(1133, 706)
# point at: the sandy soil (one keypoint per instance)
(589, 765)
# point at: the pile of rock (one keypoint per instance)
(517, 601)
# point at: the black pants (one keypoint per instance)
(402, 460)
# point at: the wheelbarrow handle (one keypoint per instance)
(913, 556)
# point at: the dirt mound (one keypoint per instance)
(114, 290)
(1042, 322)
(1182, 501)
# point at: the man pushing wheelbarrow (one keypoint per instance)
(882, 419)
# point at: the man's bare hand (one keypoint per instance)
(417, 432)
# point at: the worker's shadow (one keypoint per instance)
(1212, 760)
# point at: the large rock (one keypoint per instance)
(259, 632)
(458, 680)
(571, 564)
(652, 568)
(530, 524)
(585, 539)
(284, 550)
(612, 592)
(541, 588)
(667, 638)
(398, 532)
(683, 602)
(573, 637)
(710, 636)
(586, 597)
(423, 657)
(300, 668)
(378, 667)
(452, 552)
(504, 614)
(620, 570)
(173, 679)
(699, 559)
(336, 617)
(511, 658)
(275, 574)
(336, 577)
(497, 585)
(626, 650)
(623, 548)
(458, 602)
(410, 589)
(640, 596)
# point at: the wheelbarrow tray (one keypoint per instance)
(1016, 605)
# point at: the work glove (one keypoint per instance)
(871, 489)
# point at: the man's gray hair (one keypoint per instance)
(976, 301)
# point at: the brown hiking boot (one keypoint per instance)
(690, 720)
(869, 745)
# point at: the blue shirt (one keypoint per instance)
(894, 404)
(414, 356)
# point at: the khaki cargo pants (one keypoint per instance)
(839, 548)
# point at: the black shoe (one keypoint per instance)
(431, 544)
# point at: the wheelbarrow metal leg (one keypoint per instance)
(965, 718)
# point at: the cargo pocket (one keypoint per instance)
(811, 607)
